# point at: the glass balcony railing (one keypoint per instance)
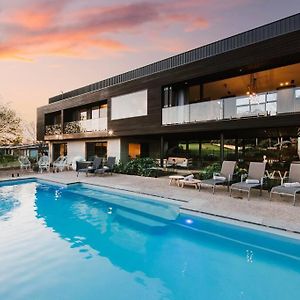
(53, 129)
(264, 104)
(99, 124)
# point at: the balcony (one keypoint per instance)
(264, 104)
(77, 129)
(91, 125)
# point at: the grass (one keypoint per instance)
(209, 149)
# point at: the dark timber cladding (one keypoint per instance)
(259, 34)
(270, 46)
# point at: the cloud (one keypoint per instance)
(196, 24)
(61, 28)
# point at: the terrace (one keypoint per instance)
(259, 211)
(78, 121)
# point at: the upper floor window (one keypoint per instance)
(83, 115)
(167, 96)
(95, 112)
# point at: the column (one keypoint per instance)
(236, 149)
(62, 120)
(221, 147)
(162, 151)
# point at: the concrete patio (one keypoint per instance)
(278, 213)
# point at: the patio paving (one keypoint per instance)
(278, 213)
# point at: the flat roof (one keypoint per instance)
(259, 34)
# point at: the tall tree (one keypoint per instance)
(10, 126)
(29, 132)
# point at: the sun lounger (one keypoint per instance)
(24, 162)
(190, 180)
(91, 169)
(290, 188)
(255, 179)
(224, 177)
(108, 167)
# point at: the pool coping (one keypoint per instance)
(194, 212)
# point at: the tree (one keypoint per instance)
(10, 126)
(29, 132)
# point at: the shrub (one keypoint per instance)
(138, 166)
(208, 171)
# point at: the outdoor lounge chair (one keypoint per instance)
(60, 164)
(255, 178)
(224, 177)
(108, 167)
(44, 163)
(91, 169)
(290, 188)
(24, 162)
(189, 180)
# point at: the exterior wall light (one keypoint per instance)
(110, 132)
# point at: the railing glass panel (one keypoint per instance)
(263, 104)
(99, 124)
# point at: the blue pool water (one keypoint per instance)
(79, 242)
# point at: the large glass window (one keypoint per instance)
(59, 150)
(103, 111)
(95, 112)
(83, 114)
(167, 96)
(193, 93)
(134, 150)
(95, 149)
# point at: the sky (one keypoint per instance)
(53, 46)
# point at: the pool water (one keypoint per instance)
(80, 242)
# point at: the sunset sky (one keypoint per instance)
(49, 46)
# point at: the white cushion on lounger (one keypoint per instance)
(291, 184)
(251, 181)
(189, 177)
(216, 177)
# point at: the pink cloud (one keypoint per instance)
(196, 24)
(57, 28)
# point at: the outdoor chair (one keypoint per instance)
(222, 178)
(60, 163)
(91, 169)
(44, 163)
(108, 167)
(24, 162)
(254, 179)
(292, 186)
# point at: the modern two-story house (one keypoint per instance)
(209, 103)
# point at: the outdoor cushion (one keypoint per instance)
(216, 177)
(189, 177)
(291, 184)
(251, 181)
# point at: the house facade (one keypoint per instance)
(237, 98)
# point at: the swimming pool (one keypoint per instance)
(83, 242)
